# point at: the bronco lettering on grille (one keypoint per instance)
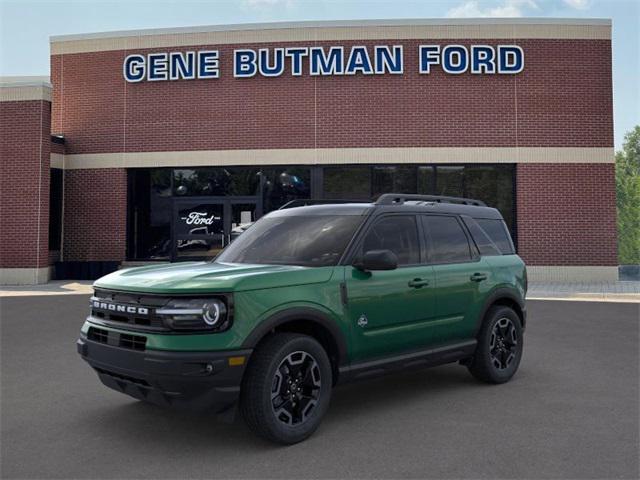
(114, 307)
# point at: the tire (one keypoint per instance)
(500, 344)
(297, 370)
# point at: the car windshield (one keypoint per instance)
(311, 241)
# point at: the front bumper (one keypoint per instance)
(194, 380)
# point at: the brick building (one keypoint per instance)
(163, 141)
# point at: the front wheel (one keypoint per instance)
(499, 350)
(287, 388)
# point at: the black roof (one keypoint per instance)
(397, 203)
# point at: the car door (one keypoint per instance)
(460, 276)
(389, 310)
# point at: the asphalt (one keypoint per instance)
(572, 411)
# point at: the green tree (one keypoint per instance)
(628, 198)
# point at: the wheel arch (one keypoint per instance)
(307, 321)
(505, 297)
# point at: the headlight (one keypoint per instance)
(195, 314)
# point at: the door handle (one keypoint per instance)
(418, 282)
(478, 277)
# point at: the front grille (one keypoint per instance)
(123, 340)
(134, 312)
(134, 342)
(98, 335)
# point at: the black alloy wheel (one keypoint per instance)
(504, 343)
(295, 389)
(499, 351)
(286, 388)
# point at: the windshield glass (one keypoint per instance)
(311, 241)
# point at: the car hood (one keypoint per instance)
(203, 277)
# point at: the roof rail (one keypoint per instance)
(304, 202)
(400, 198)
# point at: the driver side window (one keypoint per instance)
(398, 233)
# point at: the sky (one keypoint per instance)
(25, 26)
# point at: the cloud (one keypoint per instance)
(578, 4)
(508, 8)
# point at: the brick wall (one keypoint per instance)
(567, 214)
(57, 148)
(95, 214)
(562, 98)
(24, 183)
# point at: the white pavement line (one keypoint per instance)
(78, 287)
(612, 299)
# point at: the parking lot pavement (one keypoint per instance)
(571, 411)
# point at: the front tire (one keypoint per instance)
(287, 388)
(499, 350)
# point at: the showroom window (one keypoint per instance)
(154, 192)
(55, 208)
(241, 181)
(347, 182)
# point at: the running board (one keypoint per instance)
(417, 359)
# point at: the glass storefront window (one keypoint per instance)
(153, 194)
(493, 184)
(450, 181)
(393, 178)
(426, 180)
(55, 208)
(150, 204)
(283, 184)
(216, 181)
(349, 182)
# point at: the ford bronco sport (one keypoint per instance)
(310, 297)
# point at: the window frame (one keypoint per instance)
(473, 249)
(360, 236)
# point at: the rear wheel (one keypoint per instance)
(287, 388)
(499, 350)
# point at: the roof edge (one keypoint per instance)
(10, 81)
(333, 23)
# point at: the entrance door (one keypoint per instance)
(203, 227)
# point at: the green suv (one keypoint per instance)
(310, 297)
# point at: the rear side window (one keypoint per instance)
(397, 233)
(482, 240)
(498, 233)
(447, 240)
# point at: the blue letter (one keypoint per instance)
(133, 68)
(429, 55)
(331, 64)
(208, 64)
(181, 68)
(296, 55)
(510, 59)
(460, 65)
(359, 61)
(483, 59)
(386, 62)
(244, 63)
(274, 70)
(158, 66)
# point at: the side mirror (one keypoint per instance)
(377, 260)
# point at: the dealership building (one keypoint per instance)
(154, 145)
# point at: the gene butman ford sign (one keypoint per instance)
(326, 61)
